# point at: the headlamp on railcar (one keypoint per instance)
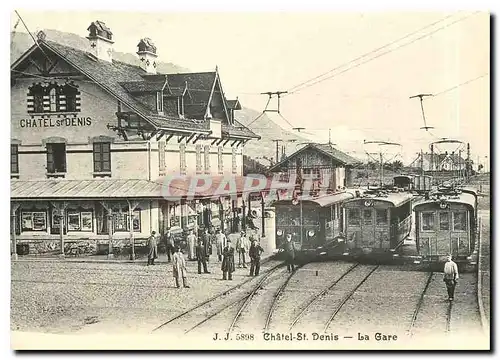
(311, 233)
(279, 232)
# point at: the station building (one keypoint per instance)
(93, 138)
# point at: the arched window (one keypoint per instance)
(53, 99)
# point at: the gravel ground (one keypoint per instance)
(66, 297)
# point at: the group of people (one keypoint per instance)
(200, 249)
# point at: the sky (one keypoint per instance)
(367, 99)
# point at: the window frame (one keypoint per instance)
(433, 227)
(51, 163)
(462, 213)
(98, 154)
(441, 214)
(350, 218)
(32, 213)
(385, 217)
(14, 154)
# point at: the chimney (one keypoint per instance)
(147, 55)
(101, 41)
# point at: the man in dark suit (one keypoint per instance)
(289, 253)
(227, 262)
(201, 256)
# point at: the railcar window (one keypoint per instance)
(427, 221)
(367, 217)
(353, 216)
(444, 221)
(459, 221)
(381, 216)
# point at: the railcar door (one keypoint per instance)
(367, 227)
(427, 238)
(443, 233)
(460, 241)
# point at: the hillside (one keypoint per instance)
(267, 129)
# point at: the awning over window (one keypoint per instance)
(83, 189)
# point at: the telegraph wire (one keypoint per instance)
(370, 52)
(461, 84)
(382, 54)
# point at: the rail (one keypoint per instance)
(349, 295)
(419, 305)
(308, 305)
(215, 297)
(275, 301)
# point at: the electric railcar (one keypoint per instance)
(446, 223)
(377, 224)
(314, 223)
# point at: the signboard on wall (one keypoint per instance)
(59, 122)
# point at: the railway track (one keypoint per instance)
(419, 305)
(332, 298)
(347, 297)
(322, 293)
(265, 275)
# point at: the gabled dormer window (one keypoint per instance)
(181, 105)
(159, 102)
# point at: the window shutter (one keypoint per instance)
(161, 156)
(50, 159)
(106, 157)
(221, 165)
(233, 164)
(182, 154)
(198, 159)
(207, 159)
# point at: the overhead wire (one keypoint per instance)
(380, 55)
(370, 52)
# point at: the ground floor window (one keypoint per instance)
(80, 220)
(120, 219)
(34, 221)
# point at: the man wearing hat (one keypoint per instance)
(450, 277)
(255, 251)
(220, 243)
(153, 248)
(242, 247)
(227, 261)
(179, 268)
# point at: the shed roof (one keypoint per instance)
(83, 189)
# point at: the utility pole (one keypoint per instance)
(469, 165)
(271, 94)
(421, 97)
(432, 158)
(381, 170)
(421, 162)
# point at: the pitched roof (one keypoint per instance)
(326, 149)
(238, 130)
(336, 154)
(122, 80)
(143, 86)
(234, 104)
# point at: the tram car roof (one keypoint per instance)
(395, 199)
(464, 198)
(322, 200)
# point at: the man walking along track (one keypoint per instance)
(450, 277)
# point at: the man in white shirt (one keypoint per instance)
(450, 277)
